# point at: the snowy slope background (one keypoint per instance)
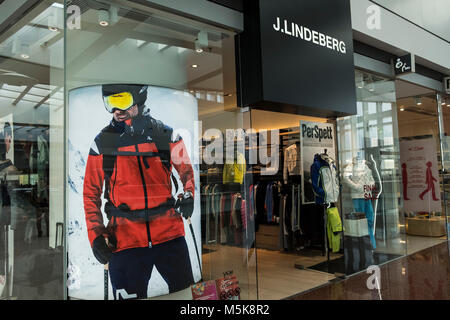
(87, 116)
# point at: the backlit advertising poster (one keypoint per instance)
(133, 192)
(315, 138)
(420, 175)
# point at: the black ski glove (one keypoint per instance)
(102, 251)
(186, 204)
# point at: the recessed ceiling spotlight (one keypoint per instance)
(402, 109)
(194, 66)
(25, 56)
(53, 21)
(418, 101)
(201, 42)
(103, 17)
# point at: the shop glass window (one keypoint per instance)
(32, 229)
(370, 178)
(184, 70)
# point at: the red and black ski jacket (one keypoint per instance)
(134, 161)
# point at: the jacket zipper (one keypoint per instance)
(145, 197)
(115, 179)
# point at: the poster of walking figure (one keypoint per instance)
(133, 192)
(420, 175)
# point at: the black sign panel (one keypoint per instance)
(297, 56)
(404, 64)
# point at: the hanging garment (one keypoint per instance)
(269, 202)
(295, 212)
(244, 214)
(276, 192)
(334, 229)
(291, 165)
(223, 220)
(260, 198)
(363, 205)
(358, 177)
(235, 214)
(251, 204)
(284, 232)
(234, 172)
(324, 179)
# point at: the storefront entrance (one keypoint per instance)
(392, 191)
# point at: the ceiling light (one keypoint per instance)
(53, 21)
(402, 109)
(194, 66)
(418, 101)
(103, 17)
(201, 42)
(198, 46)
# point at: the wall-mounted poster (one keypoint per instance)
(133, 192)
(315, 138)
(420, 175)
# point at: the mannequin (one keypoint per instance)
(358, 177)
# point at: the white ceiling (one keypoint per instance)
(46, 47)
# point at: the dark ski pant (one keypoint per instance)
(130, 270)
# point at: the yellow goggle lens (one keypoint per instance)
(121, 101)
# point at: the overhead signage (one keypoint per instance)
(405, 64)
(447, 84)
(293, 51)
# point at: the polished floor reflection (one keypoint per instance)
(423, 275)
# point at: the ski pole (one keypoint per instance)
(177, 209)
(196, 248)
(106, 278)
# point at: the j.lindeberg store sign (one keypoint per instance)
(298, 56)
(306, 34)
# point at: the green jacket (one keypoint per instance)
(334, 229)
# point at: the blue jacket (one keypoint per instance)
(324, 180)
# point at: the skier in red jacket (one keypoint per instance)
(133, 158)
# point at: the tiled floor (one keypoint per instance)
(423, 275)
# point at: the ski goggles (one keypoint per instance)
(121, 101)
